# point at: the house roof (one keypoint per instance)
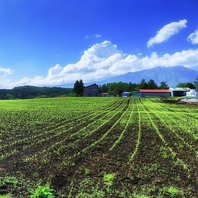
(91, 85)
(155, 91)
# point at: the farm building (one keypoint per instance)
(192, 92)
(137, 94)
(91, 90)
(125, 94)
(104, 94)
(179, 91)
(164, 92)
(155, 92)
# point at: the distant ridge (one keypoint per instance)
(171, 75)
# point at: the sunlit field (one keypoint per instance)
(98, 147)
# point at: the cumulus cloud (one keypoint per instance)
(187, 58)
(193, 38)
(102, 61)
(166, 32)
(93, 65)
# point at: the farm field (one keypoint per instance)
(98, 147)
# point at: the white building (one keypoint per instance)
(178, 91)
(192, 92)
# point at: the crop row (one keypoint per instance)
(142, 141)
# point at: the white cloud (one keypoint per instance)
(193, 38)
(93, 36)
(5, 71)
(4, 82)
(102, 61)
(166, 32)
(187, 58)
(97, 35)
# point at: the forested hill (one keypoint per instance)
(25, 92)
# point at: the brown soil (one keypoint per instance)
(66, 169)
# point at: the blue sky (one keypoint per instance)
(54, 42)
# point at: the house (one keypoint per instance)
(91, 90)
(155, 92)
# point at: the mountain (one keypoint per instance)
(171, 75)
(195, 68)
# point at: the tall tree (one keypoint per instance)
(132, 87)
(104, 88)
(120, 88)
(196, 84)
(143, 84)
(163, 85)
(151, 84)
(79, 88)
(116, 88)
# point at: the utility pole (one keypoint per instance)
(196, 85)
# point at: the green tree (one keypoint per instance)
(120, 88)
(104, 88)
(132, 87)
(163, 85)
(143, 84)
(151, 84)
(111, 88)
(187, 84)
(79, 88)
(116, 88)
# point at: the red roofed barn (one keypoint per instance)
(155, 92)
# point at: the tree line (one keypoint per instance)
(27, 92)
